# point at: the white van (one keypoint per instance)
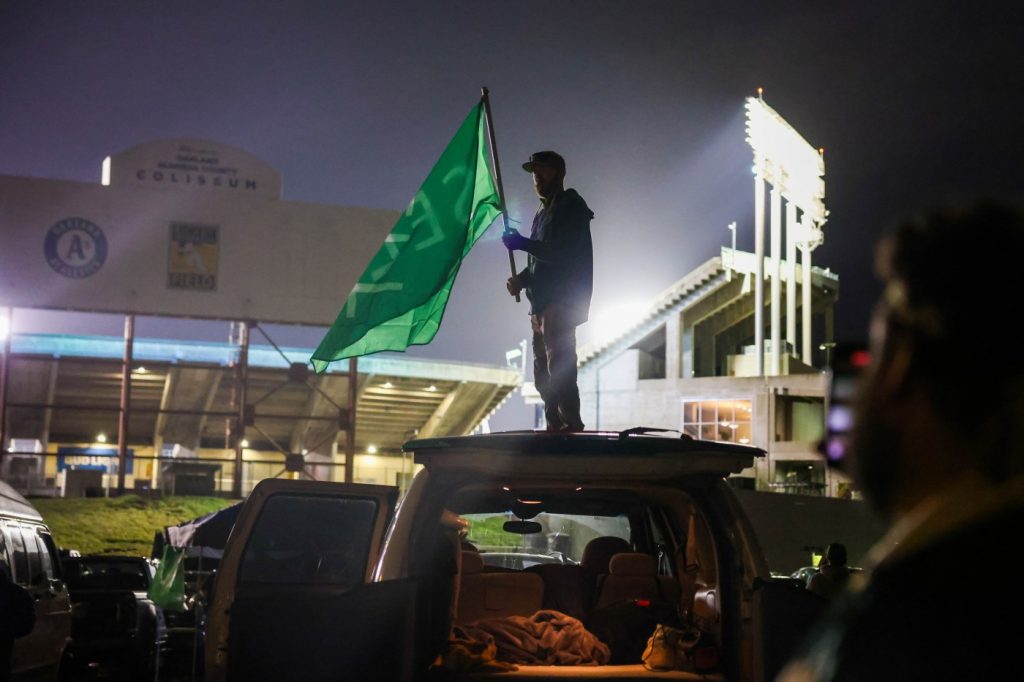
(29, 556)
(322, 581)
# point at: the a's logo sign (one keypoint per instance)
(75, 248)
(192, 258)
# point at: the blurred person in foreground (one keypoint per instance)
(937, 449)
(558, 280)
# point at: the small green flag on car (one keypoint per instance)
(168, 588)
(399, 300)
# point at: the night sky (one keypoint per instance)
(914, 103)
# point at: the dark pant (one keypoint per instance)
(554, 367)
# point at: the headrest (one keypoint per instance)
(472, 562)
(633, 564)
(599, 552)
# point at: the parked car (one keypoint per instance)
(116, 630)
(329, 581)
(804, 573)
(29, 556)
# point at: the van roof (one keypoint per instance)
(630, 453)
(12, 503)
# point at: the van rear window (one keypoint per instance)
(301, 539)
(561, 539)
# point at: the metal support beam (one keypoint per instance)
(350, 433)
(241, 391)
(297, 439)
(125, 406)
(327, 395)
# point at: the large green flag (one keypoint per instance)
(399, 300)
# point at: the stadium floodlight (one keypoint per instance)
(796, 170)
(786, 160)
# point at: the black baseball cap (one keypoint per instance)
(547, 158)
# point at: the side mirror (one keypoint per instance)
(521, 527)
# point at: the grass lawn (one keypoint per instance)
(119, 525)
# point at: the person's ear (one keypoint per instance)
(893, 373)
(897, 375)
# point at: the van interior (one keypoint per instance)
(546, 581)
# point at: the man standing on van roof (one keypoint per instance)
(558, 280)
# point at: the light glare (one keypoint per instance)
(610, 323)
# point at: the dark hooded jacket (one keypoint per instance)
(563, 270)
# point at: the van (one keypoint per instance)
(29, 555)
(332, 582)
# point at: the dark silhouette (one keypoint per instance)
(938, 449)
(833, 573)
(558, 280)
(17, 618)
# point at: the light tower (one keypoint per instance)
(796, 172)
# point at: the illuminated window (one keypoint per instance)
(720, 420)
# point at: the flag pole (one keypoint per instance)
(485, 95)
